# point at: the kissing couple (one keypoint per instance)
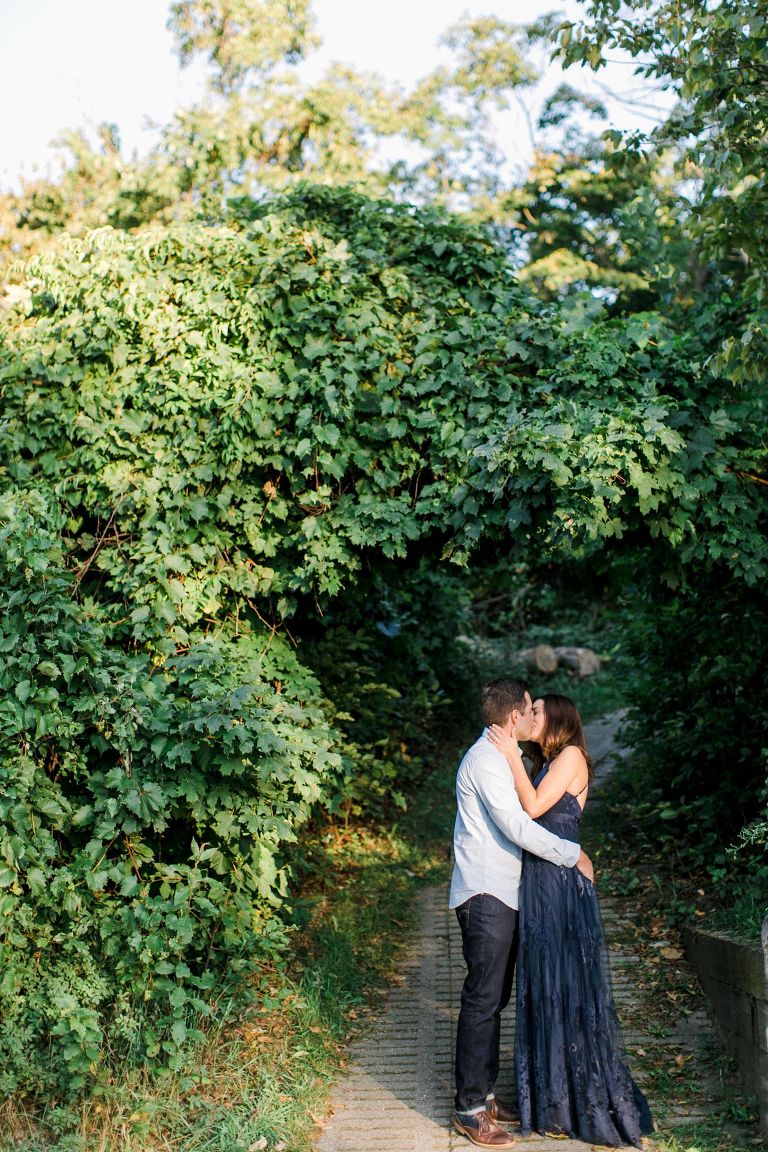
(523, 892)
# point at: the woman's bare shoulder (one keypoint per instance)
(569, 757)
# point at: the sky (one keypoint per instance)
(68, 64)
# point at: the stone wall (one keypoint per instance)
(734, 976)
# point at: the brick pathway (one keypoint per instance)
(397, 1096)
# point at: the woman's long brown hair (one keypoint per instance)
(562, 727)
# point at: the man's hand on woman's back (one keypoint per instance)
(584, 865)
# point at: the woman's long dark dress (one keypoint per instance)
(571, 1073)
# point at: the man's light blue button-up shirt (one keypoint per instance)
(492, 829)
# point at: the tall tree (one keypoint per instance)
(97, 187)
(242, 37)
(715, 56)
(263, 125)
(596, 226)
(268, 126)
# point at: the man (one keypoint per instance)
(490, 832)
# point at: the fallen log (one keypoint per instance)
(581, 660)
(542, 659)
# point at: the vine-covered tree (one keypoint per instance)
(212, 437)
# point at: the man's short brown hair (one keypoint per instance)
(499, 698)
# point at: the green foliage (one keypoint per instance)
(229, 427)
(263, 125)
(239, 448)
(716, 59)
(144, 813)
(242, 36)
(216, 438)
(599, 227)
(700, 729)
(702, 650)
(264, 1069)
(388, 659)
(97, 187)
(620, 439)
(251, 413)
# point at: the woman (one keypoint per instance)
(571, 1076)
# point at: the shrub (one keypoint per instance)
(145, 809)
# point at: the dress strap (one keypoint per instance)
(577, 794)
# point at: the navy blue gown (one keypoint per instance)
(571, 1071)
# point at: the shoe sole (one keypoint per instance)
(465, 1132)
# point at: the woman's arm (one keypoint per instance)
(567, 771)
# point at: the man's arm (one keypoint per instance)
(496, 789)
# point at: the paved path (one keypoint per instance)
(398, 1093)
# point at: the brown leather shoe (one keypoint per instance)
(482, 1130)
(501, 1112)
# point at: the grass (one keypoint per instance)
(744, 908)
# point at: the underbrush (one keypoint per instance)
(261, 1077)
(664, 896)
(695, 877)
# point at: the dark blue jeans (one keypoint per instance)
(489, 943)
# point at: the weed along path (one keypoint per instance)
(398, 1091)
